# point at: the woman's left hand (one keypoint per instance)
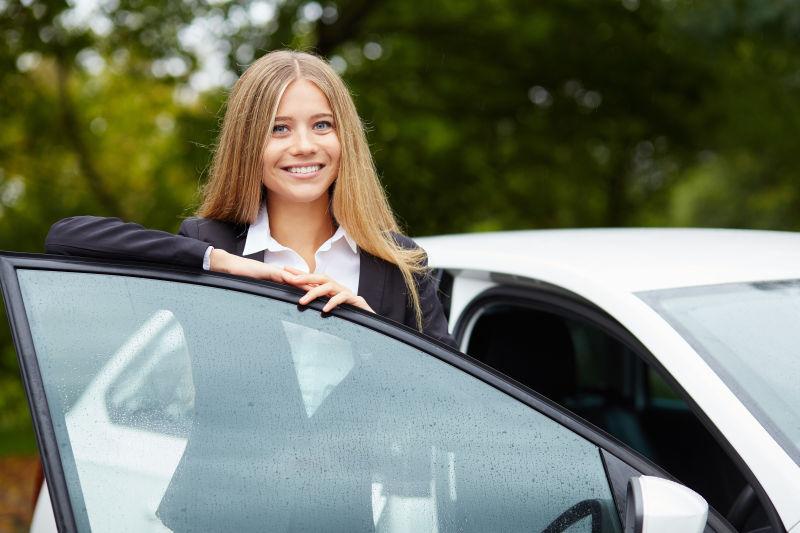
(319, 285)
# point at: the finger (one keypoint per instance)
(337, 299)
(267, 272)
(323, 290)
(291, 280)
(361, 303)
(296, 281)
(278, 275)
(292, 276)
(293, 270)
(315, 293)
(317, 279)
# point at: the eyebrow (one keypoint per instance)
(289, 119)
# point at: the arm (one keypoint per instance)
(111, 238)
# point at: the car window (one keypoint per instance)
(185, 407)
(746, 332)
(151, 387)
(659, 393)
(584, 368)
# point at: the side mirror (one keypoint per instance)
(657, 505)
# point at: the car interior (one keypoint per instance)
(590, 372)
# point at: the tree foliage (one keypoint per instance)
(482, 115)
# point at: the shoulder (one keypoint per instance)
(219, 233)
(408, 243)
(189, 227)
(199, 224)
(405, 241)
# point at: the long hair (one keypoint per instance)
(234, 192)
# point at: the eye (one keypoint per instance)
(323, 125)
(280, 128)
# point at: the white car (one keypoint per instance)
(682, 343)
(171, 399)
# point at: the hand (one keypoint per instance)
(222, 261)
(318, 285)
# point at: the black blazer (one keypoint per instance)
(380, 283)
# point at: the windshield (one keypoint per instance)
(749, 333)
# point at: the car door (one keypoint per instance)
(174, 400)
(570, 351)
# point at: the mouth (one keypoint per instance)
(304, 170)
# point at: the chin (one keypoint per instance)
(301, 196)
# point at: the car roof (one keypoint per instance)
(627, 259)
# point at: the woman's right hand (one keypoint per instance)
(222, 261)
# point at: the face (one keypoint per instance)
(301, 158)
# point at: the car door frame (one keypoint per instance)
(563, 303)
(619, 461)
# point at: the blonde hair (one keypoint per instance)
(234, 192)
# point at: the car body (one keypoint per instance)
(617, 280)
(113, 361)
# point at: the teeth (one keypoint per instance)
(304, 170)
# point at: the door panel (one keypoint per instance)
(184, 406)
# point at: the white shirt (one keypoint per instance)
(338, 257)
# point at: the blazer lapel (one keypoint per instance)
(238, 245)
(370, 279)
(258, 256)
(239, 239)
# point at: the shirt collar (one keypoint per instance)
(259, 237)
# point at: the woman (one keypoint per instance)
(293, 197)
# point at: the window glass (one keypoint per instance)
(182, 407)
(152, 386)
(600, 361)
(747, 332)
(571, 362)
(661, 394)
(585, 369)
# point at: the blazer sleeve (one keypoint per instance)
(434, 323)
(112, 238)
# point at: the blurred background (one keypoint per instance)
(482, 115)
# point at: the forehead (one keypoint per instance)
(303, 97)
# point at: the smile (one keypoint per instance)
(307, 169)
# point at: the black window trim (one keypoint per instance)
(574, 306)
(35, 394)
(32, 381)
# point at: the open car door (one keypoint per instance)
(169, 399)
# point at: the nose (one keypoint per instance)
(303, 142)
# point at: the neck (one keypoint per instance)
(303, 227)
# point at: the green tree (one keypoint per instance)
(482, 115)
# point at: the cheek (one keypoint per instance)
(270, 154)
(268, 168)
(335, 151)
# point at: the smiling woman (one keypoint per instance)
(301, 160)
(293, 197)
